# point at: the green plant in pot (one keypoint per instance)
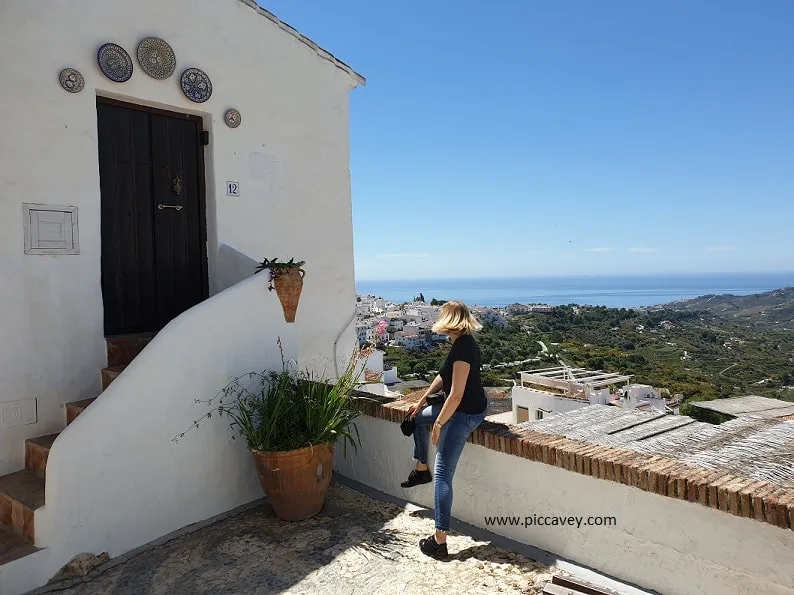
(291, 423)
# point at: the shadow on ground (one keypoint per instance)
(355, 545)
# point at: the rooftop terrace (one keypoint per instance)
(684, 493)
(355, 545)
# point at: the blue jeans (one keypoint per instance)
(450, 446)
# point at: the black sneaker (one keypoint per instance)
(417, 478)
(435, 550)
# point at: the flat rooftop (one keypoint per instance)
(749, 405)
(754, 447)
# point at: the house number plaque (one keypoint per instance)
(232, 189)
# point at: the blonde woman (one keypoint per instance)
(452, 421)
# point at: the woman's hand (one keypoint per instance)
(436, 434)
(420, 404)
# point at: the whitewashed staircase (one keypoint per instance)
(22, 492)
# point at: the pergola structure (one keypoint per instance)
(573, 382)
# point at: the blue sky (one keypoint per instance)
(527, 137)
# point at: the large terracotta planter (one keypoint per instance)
(289, 285)
(295, 481)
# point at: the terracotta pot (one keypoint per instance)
(288, 286)
(295, 481)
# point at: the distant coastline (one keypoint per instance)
(629, 291)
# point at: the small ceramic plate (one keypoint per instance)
(71, 80)
(232, 118)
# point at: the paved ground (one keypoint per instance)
(356, 545)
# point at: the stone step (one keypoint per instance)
(76, 408)
(36, 452)
(122, 349)
(21, 493)
(109, 374)
(13, 546)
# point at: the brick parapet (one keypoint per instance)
(739, 496)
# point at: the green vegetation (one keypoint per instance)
(701, 359)
(279, 410)
(415, 362)
(726, 346)
(772, 309)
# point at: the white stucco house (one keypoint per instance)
(551, 391)
(151, 152)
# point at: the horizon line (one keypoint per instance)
(574, 275)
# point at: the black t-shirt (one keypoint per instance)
(465, 349)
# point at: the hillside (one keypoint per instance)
(772, 309)
(710, 347)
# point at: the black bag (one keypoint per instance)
(408, 425)
(436, 399)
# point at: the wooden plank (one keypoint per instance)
(552, 589)
(580, 586)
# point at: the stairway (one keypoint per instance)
(22, 492)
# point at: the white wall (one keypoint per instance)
(660, 543)
(115, 478)
(390, 376)
(533, 400)
(290, 156)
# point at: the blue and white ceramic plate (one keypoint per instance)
(196, 85)
(114, 62)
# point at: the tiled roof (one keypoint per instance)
(372, 376)
(752, 446)
(324, 54)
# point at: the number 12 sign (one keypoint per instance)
(232, 189)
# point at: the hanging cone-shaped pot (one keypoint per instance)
(289, 285)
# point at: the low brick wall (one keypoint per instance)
(740, 496)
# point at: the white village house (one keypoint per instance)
(551, 391)
(151, 152)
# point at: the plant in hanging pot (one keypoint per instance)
(287, 279)
(291, 423)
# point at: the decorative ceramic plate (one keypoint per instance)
(196, 85)
(71, 80)
(114, 62)
(232, 118)
(156, 57)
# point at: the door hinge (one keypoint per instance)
(204, 138)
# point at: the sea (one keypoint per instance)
(629, 291)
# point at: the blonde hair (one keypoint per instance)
(455, 318)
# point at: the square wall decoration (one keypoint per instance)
(50, 229)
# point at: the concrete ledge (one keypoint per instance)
(739, 496)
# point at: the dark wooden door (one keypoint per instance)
(153, 221)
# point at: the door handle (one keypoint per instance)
(161, 206)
